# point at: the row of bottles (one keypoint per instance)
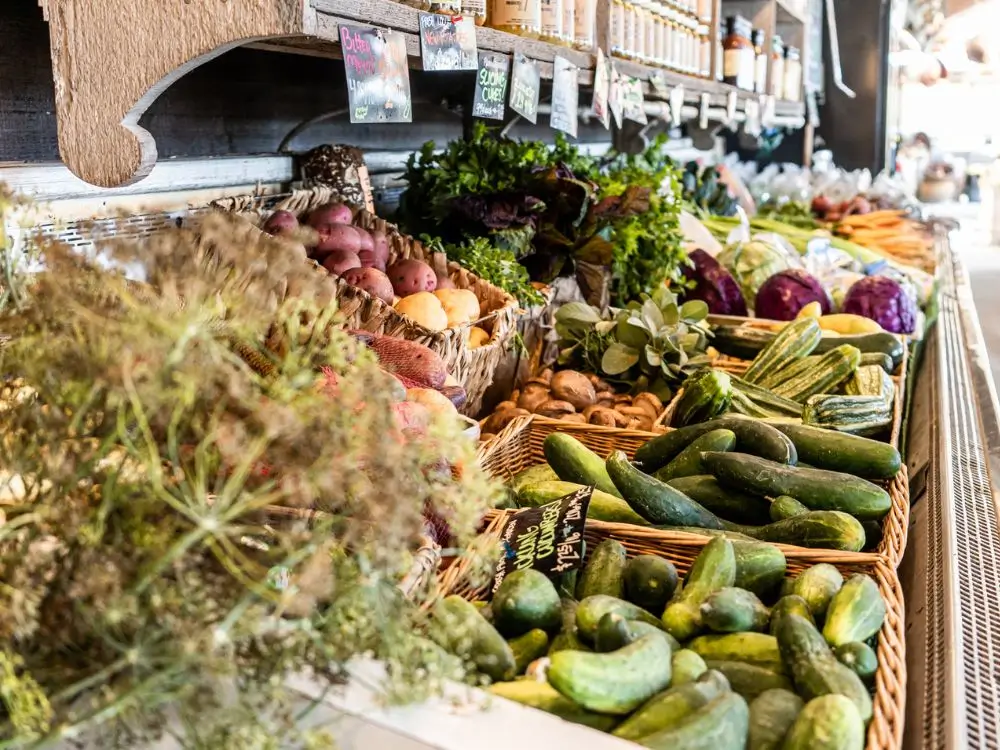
(744, 60)
(659, 34)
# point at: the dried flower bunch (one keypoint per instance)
(143, 583)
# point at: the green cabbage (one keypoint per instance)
(754, 262)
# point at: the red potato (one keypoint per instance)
(338, 237)
(340, 261)
(381, 243)
(281, 222)
(330, 213)
(372, 280)
(411, 276)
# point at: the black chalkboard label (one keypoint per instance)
(378, 77)
(548, 538)
(565, 96)
(525, 83)
(491, 86)
(447, 42)
(602, 84)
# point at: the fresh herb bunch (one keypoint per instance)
(652, 344)
(705, 193)
(488, 261)
(144, 588)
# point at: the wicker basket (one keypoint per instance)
(473, 368)
(519, 447)
(889, 702)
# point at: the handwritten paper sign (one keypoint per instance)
(633, 104)
(659, 84)
(378, 78)
(491, 86)
(525, 84)
(676, 105)
(602, 84)
(565, 96)
(615, 96)
(548, 538)
(447, 42)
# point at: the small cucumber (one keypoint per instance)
(758, 649)
(752, 436)
(615, 632)
(590, 611)
(687, 666)
(568, 640)
(656, 501)
(817, 585)
(750, 680)
(818, 529)
(603, 571)
(859, 657)
(760, 568)
(841, 451)
(530, 476)
(856, 612)
(714, 568)
(544, 697)
(790, 604)
(650, 582)
(772, 714)
(688, 461)
(830, 722)
(783, 507)
(525, 600)
(721, 725)
(733, 610)
(459, 628)
(669, 707)
(528, 647)
(603, 506)
(614, 683)
(726, 503)
(704, 396)
(575, 462)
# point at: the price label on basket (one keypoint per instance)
(378, 77)
(448, 42)
(602, 85)
(548, 538)
(491, 86)
(565, 96)
(525, 84)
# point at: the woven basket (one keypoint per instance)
(519, 447)
(472, 368)
(889, 702)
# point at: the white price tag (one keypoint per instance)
(703, 106)
(676, 105)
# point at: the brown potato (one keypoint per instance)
(633, 411)
(546, 374)
(532, 399)
(505, 405)
(514, 396)
(571, 386)
(554, 408)
(500, 419)
(647, 407)
(539, 381)
(604, 417)
(623, 398)
(599, 383)
(651, 398)
(574, 418)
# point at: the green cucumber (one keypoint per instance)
(670, 706)
(714, 568)
(459, 628)
(752, 436)
(817, 586)
(772, 714)
(530, 476)
(590, 611)
(688, 461)
(784, 506)
(615, 632)
(704, 396)
(614, 683)
(528, 647)
(760, 568)
(525, 600)
(815, 670)
(758, 649)
(568, 638)
(859, 657)
(796, 340)
(575, 462)
(840, 451)
(817, 489)
(820, 529)
(830, 722)
(656, 501)
(726, 503)
(734, 610)
(720, 725)
(750, 680)
(544, 697)
(603, 571)
(603, 506)
(856, 612)
(687, 666)
(789, 604)
(650, 582)
(878, 358)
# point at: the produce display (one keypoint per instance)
(741, 654)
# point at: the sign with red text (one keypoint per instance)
(447, 42)
(378, 76)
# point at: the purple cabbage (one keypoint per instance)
(714, 285)
(785, 293)
(883, 300)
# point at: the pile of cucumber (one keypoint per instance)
(624, 648)
(799, 377)
(733, 476)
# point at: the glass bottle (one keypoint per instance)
(704, 51)
(776, 83)
(718, 52)
(584, 18)
(617, 30)
(792, 87)
(760, 62)
(552, 18)
(671, 46)
(660, 54)
(521, 17)
(569, 22)
(639, 48)
(649, 45)
(446, 7)
(628, 31)
(476, 9)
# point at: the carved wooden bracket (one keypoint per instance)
(112, 58)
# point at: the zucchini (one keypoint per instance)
(752, 436)
(688, 461)
(759, 649)
(575, 462)
(817, 489)
(815, 529)
(525, 600)
(866, 381)
(772, 714)
(750, 680)
(544, 697)
(590, 611)
(787, 373)
(704, 396)
(744, 342)
(859, 415)
(765, 398)
(614, 683)
(789, 604)
(726, 503)
(670, 706)
(783, 507)
(650, 582)
(851, 454)
(656, 501)
(859, 657)
(459, 628)
(603, 506)
(817, 586)
(815, 670)
(830, 722)
(760, 568)
(833, 368)
(528, 647)
(741, 342)
(687, 666)
(878, 359)
(734, 610)
(714, 568)
(856, 612)
(796, 340)
(720, 725)
(603, 572)
(740, 404)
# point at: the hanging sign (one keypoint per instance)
(565, 96)
(615, 96)
(548, 538)
(731, 101)
(447, 42)
(602, 84)
(491, 86)
(703, 105)
(525, 85)
(659, 85)
(633, 104)
(378, 77)
(752, 124)
(676, 105)
(812, 108)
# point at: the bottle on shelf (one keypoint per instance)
(705, 48)
(446, 7)
(569, 22)
(617, 30)
(476, 9)
(761, 57)
(718, 52)
(629, 30)
(585, 17)
(776, 84)
(641, 12)
(521, 17)
(792, 86)
(738, 59)
(552, 20)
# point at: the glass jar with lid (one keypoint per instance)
(776, 83)
(584, 20)
(738, 54)
(660, 23)
(673, 39)
(552, 19)
(569, 22)
(792, 87)
(704, 51)
(617, 28)
(521, 17)
(628, 30)
(445, 7)
(761, 57)
(651, 27)
(639, 47)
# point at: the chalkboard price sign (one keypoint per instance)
(491, 86)
(378, 78)
(565, 96)
(548, 538)
(447, 42)
(525, 84)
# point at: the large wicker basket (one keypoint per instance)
(889, 702)
(473, 368)
(519, 447)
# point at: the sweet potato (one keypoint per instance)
(412, 362)
(410, 276)
(340, 261)
(372, 281)
(281, 222)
